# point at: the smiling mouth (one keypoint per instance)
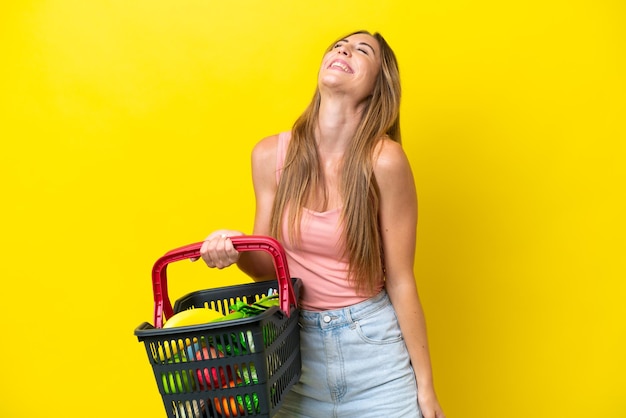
(341, 66)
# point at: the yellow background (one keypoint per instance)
(126, 128)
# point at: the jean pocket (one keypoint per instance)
(380, 327)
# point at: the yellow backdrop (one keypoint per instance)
(126, 128)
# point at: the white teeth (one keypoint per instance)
(340, 65)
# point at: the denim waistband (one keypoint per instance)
(344, 316)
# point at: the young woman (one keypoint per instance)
(338, 192)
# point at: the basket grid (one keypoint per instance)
(230, 369)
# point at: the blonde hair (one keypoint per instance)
(303, 178)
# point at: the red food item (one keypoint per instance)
(210, 379)
(215, 377)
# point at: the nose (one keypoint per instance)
(343, 50)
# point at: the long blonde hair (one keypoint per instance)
(303, 177)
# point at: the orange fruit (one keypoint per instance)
(222, 406)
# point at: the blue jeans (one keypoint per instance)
(354, 364)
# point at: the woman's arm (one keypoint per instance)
(398, 223)
(218, 251)
(259, 265)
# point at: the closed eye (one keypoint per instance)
(368, 48)
(362, 47)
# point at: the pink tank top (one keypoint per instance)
(318, 259)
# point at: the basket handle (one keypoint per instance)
(162, 304)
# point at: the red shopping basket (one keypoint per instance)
(235, 368)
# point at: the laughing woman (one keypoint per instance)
(338, 192)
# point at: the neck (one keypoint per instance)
(337, 122)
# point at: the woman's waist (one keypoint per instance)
(323, 293)
(345, 314)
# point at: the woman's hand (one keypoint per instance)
(429, 404)
(218, 251)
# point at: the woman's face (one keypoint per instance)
(352, 66)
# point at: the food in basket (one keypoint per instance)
(178, 382)
(189, 409)
(213, 378)
(248, 377)
(168, 350)
(240, 309)
(228, 406)
(195, 316)
(251, 403)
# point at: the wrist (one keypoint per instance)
(425, 383)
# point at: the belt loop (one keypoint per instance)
(349, 315)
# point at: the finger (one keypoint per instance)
(220, 257)
(230, 249)
(218, 251)
(233, 254)
(206, 252)
(228, 255)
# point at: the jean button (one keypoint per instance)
(326, 318)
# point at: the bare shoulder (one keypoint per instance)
(264, 163)
(390, 162)
(265, 149)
